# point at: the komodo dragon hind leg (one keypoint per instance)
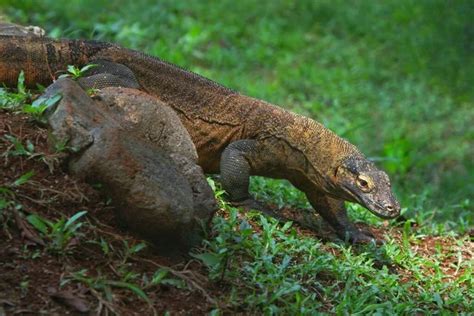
(235, 175)
(108, 74)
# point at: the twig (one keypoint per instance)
(101, 300)
(39, 202)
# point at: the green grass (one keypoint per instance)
(393, 77)
(277, 271)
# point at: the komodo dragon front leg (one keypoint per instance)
(335, 213)
(236, 167)
(235, 174)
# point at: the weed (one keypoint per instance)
(13, 100)
(18, 149)
(75, 73)
(24, 285)
(161, 277)
(39, 106)
(61, 233)
(103, 285)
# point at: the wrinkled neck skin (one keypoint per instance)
(323, 152)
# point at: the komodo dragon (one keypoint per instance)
(235, 135)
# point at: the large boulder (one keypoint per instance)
(138, 149)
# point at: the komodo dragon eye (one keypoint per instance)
(365, 183)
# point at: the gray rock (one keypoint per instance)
(138, 149)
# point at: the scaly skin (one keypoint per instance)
(235, 135)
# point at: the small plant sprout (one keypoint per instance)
(103, 285)
(17, 148)
(38, 107)
(23, 179)
(160, 277)
(75, 73)
(130, 250)
(60, 233)
(13, 100)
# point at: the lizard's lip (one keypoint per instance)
(382, 211)
(387, 211)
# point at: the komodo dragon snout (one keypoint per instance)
(365, 184)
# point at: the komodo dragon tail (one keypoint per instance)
(42, 59)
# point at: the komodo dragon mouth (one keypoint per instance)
(387, 210)
(380, 202)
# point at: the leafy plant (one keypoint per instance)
(130, 250)
(60, 233)
(38, 107)
(161, 277)
(23, 179)
(19, 149)
(13, 100)
(103, 285)
(75, 72)
(7, 195)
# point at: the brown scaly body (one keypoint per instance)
(234, 134)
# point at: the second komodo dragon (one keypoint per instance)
(235, 135)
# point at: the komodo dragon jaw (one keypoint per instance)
(370, 187)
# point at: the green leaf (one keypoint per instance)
(87, 67)
(72, 69)
(44, 103)
(174, 282)
(286, 226)
(29, 146)
(211, 260)
(138, 247)
(5, 191)
(4, 203)
(158, 276)
(437, 298)
(104, 246)
(24, 178)
(39, 223)
(73, 218)
(21, 83)
(135, 289)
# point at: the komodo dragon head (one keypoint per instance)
(361, 182)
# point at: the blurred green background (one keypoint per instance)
(395, 77)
